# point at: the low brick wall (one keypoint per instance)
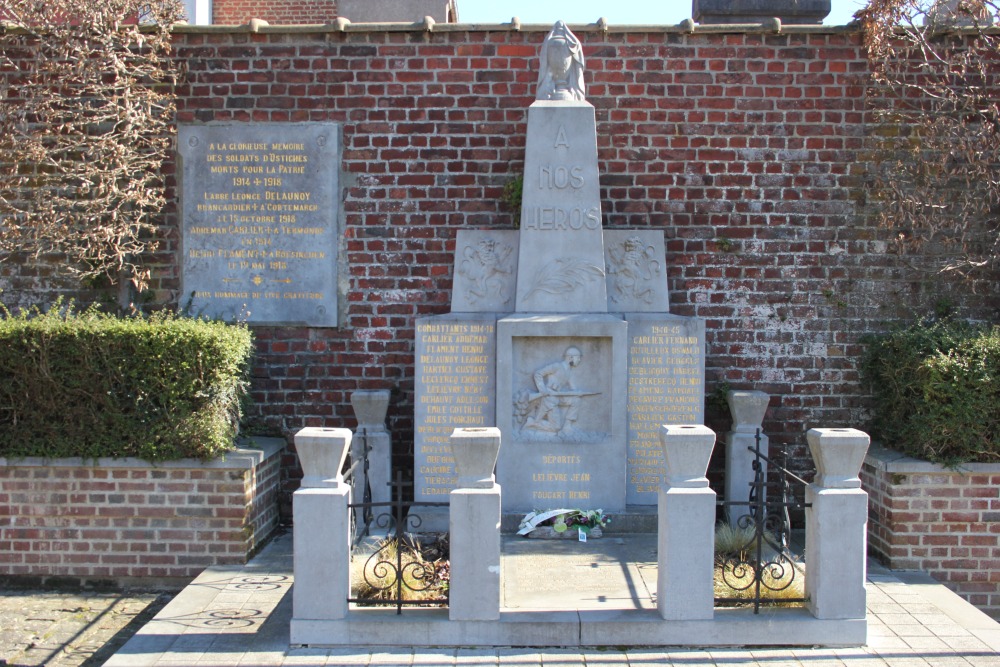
(923, 516)
(128, 521)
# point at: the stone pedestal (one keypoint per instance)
(322, 553)
(561, 406)
(748, 409)
(686, 527)
(322, 542)
(836, 525)
(836, 546)
(370, 408)
(474, 527)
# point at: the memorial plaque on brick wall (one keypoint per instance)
(259, 221)
(666, 385)
(455, 388)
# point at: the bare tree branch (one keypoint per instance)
(86, 121)
(936, 100)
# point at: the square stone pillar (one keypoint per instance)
(836, 525)
(686, 526)
(321, 546)
(474, 526)
(747, 409)
(321, 541)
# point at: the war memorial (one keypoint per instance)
(561, 368)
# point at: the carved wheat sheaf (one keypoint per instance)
(564, 275)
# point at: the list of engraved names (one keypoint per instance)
(455, 384)
(665, 386)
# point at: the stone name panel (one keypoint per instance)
(455, 388)
(259, 221)
(666, 385)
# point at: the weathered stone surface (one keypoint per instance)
(370, 407)
(635, 266)
(561, 406)
(666, 385)
(485, 271)
(838, 454)
(561, 258)
(455, 388)
(747, 409)
(474, 529)
(259, 221)
(755, 11)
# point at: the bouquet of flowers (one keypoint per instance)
(562, 520)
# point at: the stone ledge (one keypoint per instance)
(249, 453)
(684, 27)
(431, 627)
(893, 462)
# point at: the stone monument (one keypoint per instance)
(560, 334)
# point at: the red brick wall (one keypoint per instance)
(275, 12)
(925, 517)
(118, 520)
(748, 150)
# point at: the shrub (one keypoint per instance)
(94, 385)
(936, 390)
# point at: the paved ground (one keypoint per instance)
(239, 616)
(60, 629)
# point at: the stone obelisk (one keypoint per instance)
(561, 258)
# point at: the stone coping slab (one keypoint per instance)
(250, 452)
(893, 462)
(684, 27)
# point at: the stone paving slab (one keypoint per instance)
(236, 616)
(62, 629)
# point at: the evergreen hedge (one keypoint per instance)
(94, 385)
(936, 390)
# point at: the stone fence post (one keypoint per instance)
(686, 525)
(747, 409)
(836, 524)
(370, 408)
(321, 539)
(474, 525)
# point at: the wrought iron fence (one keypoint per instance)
(397, 573)
(760, 564)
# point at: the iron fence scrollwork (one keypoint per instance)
(764, 563)
(397, 573)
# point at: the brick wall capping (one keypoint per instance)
(684, 27)
(249, 453)
(892, 462)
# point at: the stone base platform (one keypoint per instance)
(566, 593)
(431, 627)
(240, 616)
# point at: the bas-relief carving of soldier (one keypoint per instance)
(557, 404)
(561, 74)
